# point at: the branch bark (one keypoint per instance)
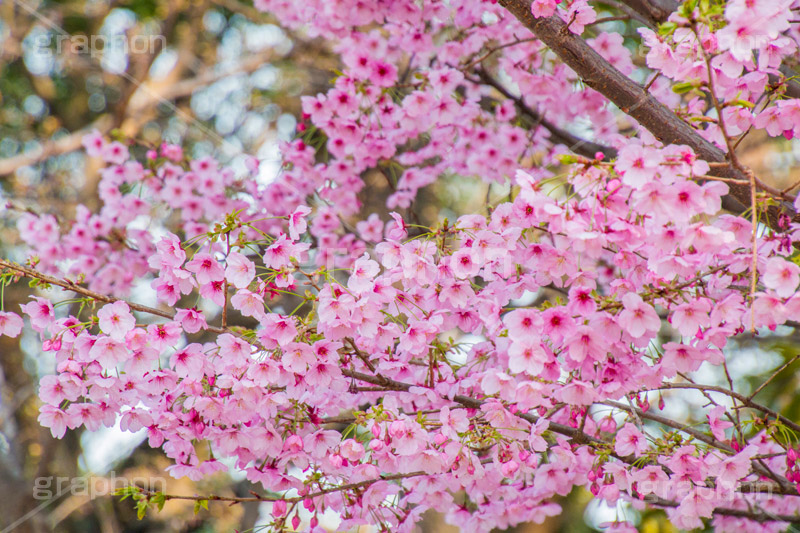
(580, 146)
(655, 11)
(658, 11)
(636, 102)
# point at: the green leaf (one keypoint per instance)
(667, 28)
(159, 498)
(687, 8)
(126, 492)
(200, 504)
(141, 509)
(683, 87)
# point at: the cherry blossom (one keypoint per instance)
(638, 318)
(116, 320)
(10, 324)
(499, 357)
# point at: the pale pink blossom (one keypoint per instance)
(630, 441)
(10, 324)
(638, 318)
(116, 320)
(781, 276)
(239, 271)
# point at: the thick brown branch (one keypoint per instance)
(658, 11)
(655, 11)
(634, 100)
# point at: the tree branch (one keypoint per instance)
(74, 287)
(658, 11)
(634, 101)
(66, 144)
(580, 146)
(576, 434)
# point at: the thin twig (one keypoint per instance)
(773, 376)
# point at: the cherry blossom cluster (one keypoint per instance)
(481, 367)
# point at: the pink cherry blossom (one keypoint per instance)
(240, 271)
(638, 318)
(10, 324)
(40, 311)
(55, 419)
(718, 426)
(116, 320)
(630, 441)
(364, 270)
(544, 8)
(108, 352)
(781, 276)
(297, 222)
(526, 357)
(206, 268)
(504, 337)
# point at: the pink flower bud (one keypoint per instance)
(295, 522)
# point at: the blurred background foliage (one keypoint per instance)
(219, 78)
